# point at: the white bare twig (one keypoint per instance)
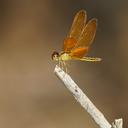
(85, 101)
(118, 123)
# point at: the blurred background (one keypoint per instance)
(31, 96)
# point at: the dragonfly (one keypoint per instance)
(78, 41)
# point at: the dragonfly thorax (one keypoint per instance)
(65, 57)
(60, 57)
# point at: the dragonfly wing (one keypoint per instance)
(88, 34)
(77, 25)
(75, 31)
(69, 43)
(79, 52)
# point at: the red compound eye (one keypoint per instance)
(54, 54)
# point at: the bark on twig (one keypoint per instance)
(84, 100)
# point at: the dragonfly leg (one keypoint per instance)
(59, 63)
(65, 66)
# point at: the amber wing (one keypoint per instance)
(75, 31)
(77, 25)
(86, 38)
(79, 52)
(88, 34)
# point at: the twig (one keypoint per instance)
(84, 100)
(118, 123)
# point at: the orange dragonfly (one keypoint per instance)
(78, 41)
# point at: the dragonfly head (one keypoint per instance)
(55, 56)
